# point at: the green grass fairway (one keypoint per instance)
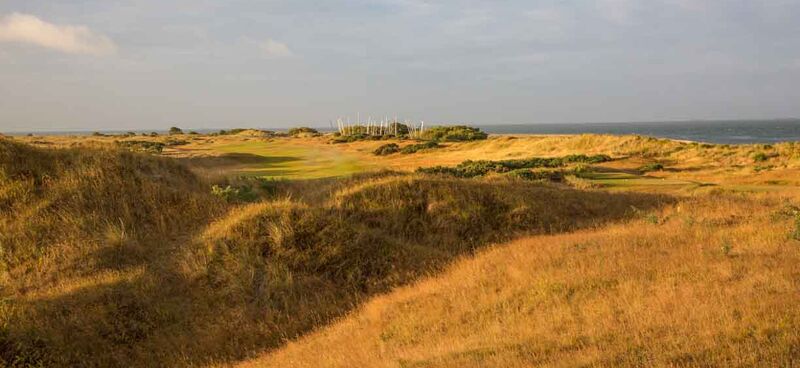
(623, 180)
(285, 160)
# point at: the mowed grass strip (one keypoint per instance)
(293, 161)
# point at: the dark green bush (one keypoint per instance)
(653, 166)
(413, 148)
(402, 129)
(175, 142)
(455, 133)
(761, 156)
(386, 149)
(142, 146)
(175, 130)
(528, 174)
(470, 169)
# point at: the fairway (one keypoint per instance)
(282, 159)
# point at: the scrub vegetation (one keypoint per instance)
(262, 250)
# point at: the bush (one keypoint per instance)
(402, 129)
(351, 138)
(456, 133)
(233, 195)
(654, 166)
(386, 149)
(528, 174)
(594, 159)
(420, 146)
(175, 142)
(142, 146)
(470, 169)
(175, 130)
(761, 156)
(303, 131)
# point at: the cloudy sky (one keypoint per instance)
(96, 64)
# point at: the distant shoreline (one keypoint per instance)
(711, 131)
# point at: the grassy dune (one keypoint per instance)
(114, 258)
(706, 282)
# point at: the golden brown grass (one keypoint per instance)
(112, 258)
(711, 281)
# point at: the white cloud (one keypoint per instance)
(24, 28)
(275, 49)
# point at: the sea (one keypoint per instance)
(710, 131)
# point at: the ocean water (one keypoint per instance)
(716, 131)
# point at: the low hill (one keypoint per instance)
(119, 258)
(116, 258)
(710, 281)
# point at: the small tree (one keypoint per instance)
(175, 130)
(399, 128)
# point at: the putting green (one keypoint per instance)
(286, 160)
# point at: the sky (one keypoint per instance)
(151, 64)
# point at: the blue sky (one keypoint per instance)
(95, 64)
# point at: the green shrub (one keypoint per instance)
(582, 158)
(175, 130)
(402, 129)
(761, 156)
(654, 166)
(454, 133)
(528, 174)
(726, 248)
(142, 146)
(233, 195)
(413, 148)
(175, 142)
(386, 149)
(796, 231)
(470, 169)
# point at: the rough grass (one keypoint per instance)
(710, 281)
(114, 258)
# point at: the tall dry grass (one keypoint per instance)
(709, 281)
(112, 258)
(120, 259)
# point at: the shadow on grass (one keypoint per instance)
(237, 160)
(288, 269)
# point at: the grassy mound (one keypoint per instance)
(113, 258)
(80, 231)
(710, 281)
(293, 266)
